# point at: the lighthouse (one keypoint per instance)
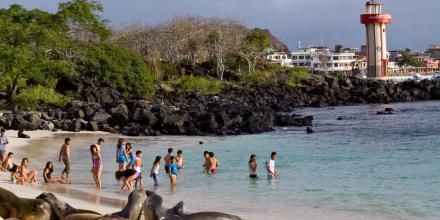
(375, 23)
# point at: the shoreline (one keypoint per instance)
(68, 193)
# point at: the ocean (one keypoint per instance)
(365, 166)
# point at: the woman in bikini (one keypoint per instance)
(96, 165)
(26, 176)
(47, 172)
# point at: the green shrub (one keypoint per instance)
(296, 75)
(257, 77)
(39, 98)
(202, 85)
(120, 67)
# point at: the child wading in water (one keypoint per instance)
(155, 170)
(121, 154)
(137, 166)
(173, 171)
(130, 156)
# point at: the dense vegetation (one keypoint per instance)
(185, 54)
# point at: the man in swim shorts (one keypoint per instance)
(65, 156)
(167, 159)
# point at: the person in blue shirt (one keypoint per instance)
(173, 171)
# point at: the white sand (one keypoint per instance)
(28, 191)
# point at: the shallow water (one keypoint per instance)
(365, 166)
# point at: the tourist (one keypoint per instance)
(121, 154)
(26, 176)
(96, 165)
(155, 170)
(127, 176)
(179, 159)
(47, 172)
(213, 163)
(168, 160)
(99, 144)
(253, 166)
(207, 162)
(10, 166)
(130, 155)
(137, 166)
(270, 167)
(173, 168)
(65, 156)
(3, 143)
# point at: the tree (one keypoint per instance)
(81, 21)
(408, 60)
(253, 47)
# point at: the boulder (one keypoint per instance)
(120, 114)
(310, 130)
(34, 119)
(92, 126)
(75, 126)
(19, 123)
(288, 120)
(101, 117)
(175, 122)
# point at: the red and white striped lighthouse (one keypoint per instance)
(375, 23)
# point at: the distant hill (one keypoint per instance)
(277, 44)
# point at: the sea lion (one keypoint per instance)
(61, 209)
(132, 211)
(12, 206)
(153, 210)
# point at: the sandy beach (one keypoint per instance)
(81, 200)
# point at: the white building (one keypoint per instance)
(280, 58)
(322, 59)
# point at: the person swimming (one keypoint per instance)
(253, 166)
(47, 172)
(207, 163)
(179, 159)
(213, 163)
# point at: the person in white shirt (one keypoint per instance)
(3, 143)
(270, 166)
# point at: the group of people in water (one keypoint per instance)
(129, 163)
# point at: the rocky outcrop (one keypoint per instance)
(244, 109)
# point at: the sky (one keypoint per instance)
(416, 24)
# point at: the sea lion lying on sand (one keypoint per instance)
(61, 209)
(12, 206)
(153, 210)
(132, 211)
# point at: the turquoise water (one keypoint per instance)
(366, 166)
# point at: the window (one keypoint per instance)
(294, 57)
(307, 57)
(301, 57)
(335, 58)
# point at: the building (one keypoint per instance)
(323, 60)
(427, 61)
(375, 24)
(281, 58)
